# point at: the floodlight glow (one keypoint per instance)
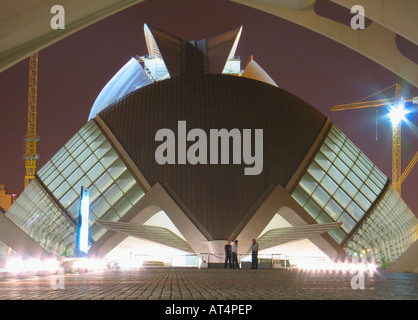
(18, 265)
(397, 113)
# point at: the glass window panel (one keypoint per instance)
(100, 207)
(109, 158)
(103, 182)
(323, 218)
(113, 194)
(51, 177)
(68, 198)
(362, 201)
(333, 209)
(96, 232)
(348, 223)
(366, 162)
(74, 145)
(77, 174)
(338, 235)
(97, 142)
(312, 208)
(350, 145)
(363, 168)
(373, 186)
(332, 145)
(102, 150)
(123, 206)
(323, 162)
(63, 188)
(126, 181)
(355, 211)
(73, 209)
(299, 195)
(342, 198)
(368, 193)
(316, 171)
(117, 169)
(135, 194)
(83, 156)
(348, 162)
(111, 216)
(56, 183)
(79, 150)
(329, 185)
(60, 157)
(379, 174)
(328, 152)
(91, 137)
(355, 180)
(65, 163)
(93, 194)
(337, 137)
(86, 165)
(349, 188)
(46, 170)
(70, 169)
(360, 174)
(341, 166)
(83, 182)
(308, 183)
(320, 196)
(376, 181)
(96, 171)
(349, 154)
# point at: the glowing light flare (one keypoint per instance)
(90, 264)
(19, 266)
(397, 113)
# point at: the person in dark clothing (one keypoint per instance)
(254, 255)
(228, 255)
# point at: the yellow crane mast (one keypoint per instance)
(31, 137)
(397, 101)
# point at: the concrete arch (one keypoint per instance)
(377, 42)
(25, 28)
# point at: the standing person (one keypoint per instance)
(235, 255)
(228, 252)
(254, 255)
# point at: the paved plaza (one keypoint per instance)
(210, 284)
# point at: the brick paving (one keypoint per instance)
(210, 284)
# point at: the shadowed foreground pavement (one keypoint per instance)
(210, 284)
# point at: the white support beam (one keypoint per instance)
(376, 42)
(25, 25)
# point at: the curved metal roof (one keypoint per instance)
(219, 196)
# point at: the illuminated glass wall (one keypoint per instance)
(387, 232)
(42, 219)
(340, 184)
(89, 160)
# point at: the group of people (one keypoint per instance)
(231, 255)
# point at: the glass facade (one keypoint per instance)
(42, 218)
(340, 184)
(387, 232)
(89, 160)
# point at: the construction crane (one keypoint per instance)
(397, 114)
(31, 137)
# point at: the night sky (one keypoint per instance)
(324, 73)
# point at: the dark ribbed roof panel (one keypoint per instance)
(219, 196)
